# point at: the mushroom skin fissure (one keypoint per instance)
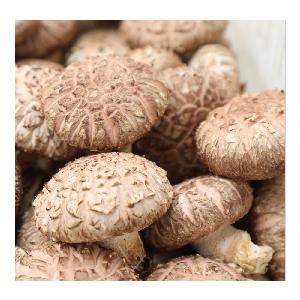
(235, 246)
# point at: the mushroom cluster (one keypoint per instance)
(138, 157)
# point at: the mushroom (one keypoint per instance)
(106, 197)
(201, 213)
(268, 222)
(171, 142)
(245, 138)
(194, 267)
(97, 42)
(104, 103)
(180, 36)
(32, 131)
(18, 187)
(24, 29)
(68, 262)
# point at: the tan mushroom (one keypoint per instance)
(201, 213)
(18, 187)
(246, 137)
(67, 262)
(24, 29)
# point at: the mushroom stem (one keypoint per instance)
(129, 245)
(235, 246)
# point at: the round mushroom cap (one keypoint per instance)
(95, 43)
(24, 29)
(101, 196)
(245, 138)
(199, 207)
(193, 268)
(66, 262)
(49, 36)
(158, 58)
(32, 131)
(171, 143)
(104, 103)
(18, 187)
(180, 36)
(268, 222)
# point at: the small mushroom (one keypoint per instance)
(201, 213)
(18, 187)
(245, 138)
(105, 197)
(194, 267)
(24, 29)
(268, 222)
(68, 262)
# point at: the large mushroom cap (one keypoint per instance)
(181, 36)
(199, 207)
(18, 187)
(104, 103)
(246, 137)
(194, 268)
(66, 262)
(101, 196)
(24, 29)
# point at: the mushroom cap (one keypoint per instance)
(158, 58)
(199, 207)
(181, 36)
(193, 268)
(171, 143)
(18, 187)
(101, 196)
(49, 36)
(97, 42)
(24, 29)
(104, 103)
(32, 131)
(268, 221)
(66, 262)
(245, 138)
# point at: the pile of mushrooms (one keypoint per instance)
(139, 157)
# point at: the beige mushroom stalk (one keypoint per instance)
(203, 208)
(104, 198)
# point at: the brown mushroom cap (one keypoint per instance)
(32, 131)
(66, 262)
(194, 267)
(97, 42)
(199, 207)
(18, 187)
(101, 196)
(158, 58)
(24, 29)
(181, 36)
(49, 36)
(104, 103)
(268, 221)
(246, 137)
(171, 144)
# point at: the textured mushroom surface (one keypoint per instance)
(32, 133)
(97, 42)
(101, 196)
(104, 103)
(194, 268)
(199, 207)
(66, 262)
(181, 36)
(268, 222)
(158, 58)
(246, 137)
(18, 187)
(171, 143)
(49, 36)
(24, 29)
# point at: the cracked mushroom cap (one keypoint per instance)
(268, 222)
(49, 36)
(97, 42)
(24, 29)
(199, 207)
(18, 187)
(66, 262)
(171, 143)
(104, 103)
(101, 196)
(32, 131)
(194, 267)
(245, 138)
(180, 36)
